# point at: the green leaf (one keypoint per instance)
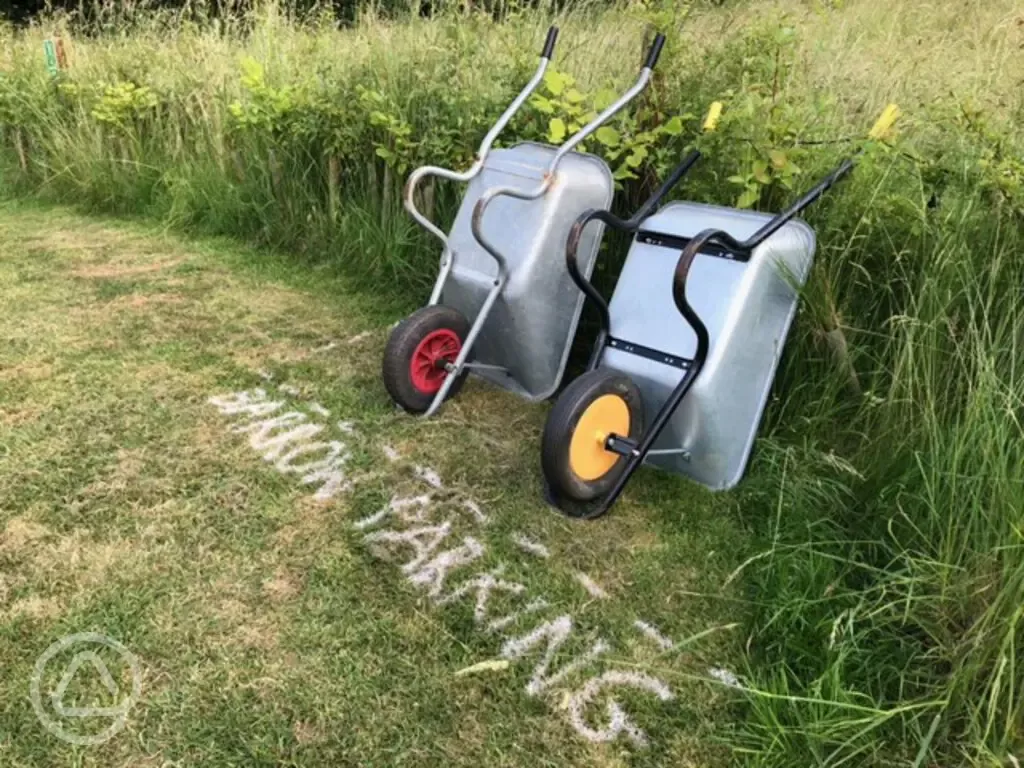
(778, 158)
(252, 70)
(542, 104)
(556, 130)
(748, 198)
(636, 157)
(574, 96)
(623, 172)
(673, 127)
(604, 98)
(737, 180)
(386, 153)
(554, 82)
(607, 136)
(761, 172)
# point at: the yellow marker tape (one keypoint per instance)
(885, 121)
(715, 112)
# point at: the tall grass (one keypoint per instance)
(887, 485)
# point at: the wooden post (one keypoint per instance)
(427, 196)
(62, 57)
(19, 145)
(275, 171)
(333, 186)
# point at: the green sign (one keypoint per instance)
(50, 52)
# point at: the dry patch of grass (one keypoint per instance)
(82, 561)
(34, 607)
(19, 533)
(110, 271)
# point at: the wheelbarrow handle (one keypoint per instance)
(779, 221)
(654, 52)
(654, 200)
(408, 195)
(549, 43)
(727, 241)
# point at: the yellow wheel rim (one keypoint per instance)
(588, 458)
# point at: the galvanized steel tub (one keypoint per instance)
(530, 329)
(747, 306)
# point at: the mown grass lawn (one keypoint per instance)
(269, 630)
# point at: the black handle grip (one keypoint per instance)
(780, 220)
(655, 52)
(549, 43)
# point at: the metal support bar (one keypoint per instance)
(670, 452)
(485, 367)
(467, 345)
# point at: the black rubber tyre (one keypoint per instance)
(561, 426)
(403, 343)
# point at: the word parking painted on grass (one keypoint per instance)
(434, 552)
(441, 560)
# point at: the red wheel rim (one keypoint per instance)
(442, 344)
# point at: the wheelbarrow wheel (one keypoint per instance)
(415, 354)
(573, 457)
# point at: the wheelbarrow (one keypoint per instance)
(693, 334)
(503, 306)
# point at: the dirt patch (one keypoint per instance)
(20, 417)
(27, 372)
(145, 302)
(241, 626)
(80, 238)
(261, 636)
(306, 733)
(309, 523)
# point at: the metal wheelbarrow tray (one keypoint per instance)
(746, 301)
(526, 338)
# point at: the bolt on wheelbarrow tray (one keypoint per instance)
(529, 331)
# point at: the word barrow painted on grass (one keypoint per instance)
(286, 441)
